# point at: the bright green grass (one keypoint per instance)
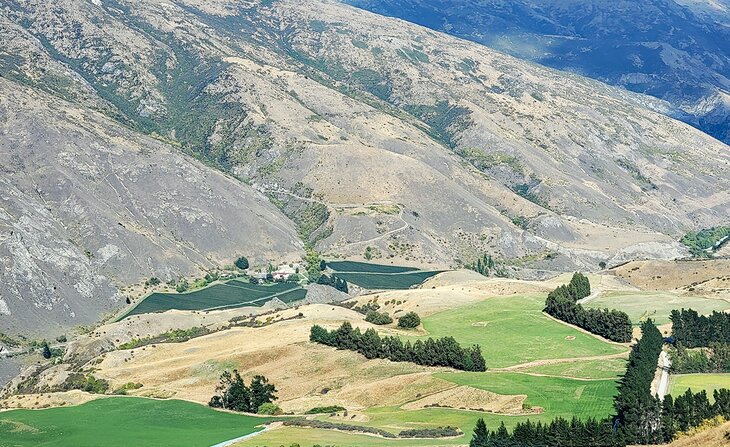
(122, 422)
(588, 369)
(515, 331)
(307, 437)
(386, 281)
(679, 383)
(558, 396)
(655, 305)
(231, 294)
(353, 266)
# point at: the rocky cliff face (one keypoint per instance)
(373, 135)
(673, 49)
(87, 206)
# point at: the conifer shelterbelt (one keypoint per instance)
(693, 330)
(444, 351)
(562, 304)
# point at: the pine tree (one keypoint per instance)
(481, 435)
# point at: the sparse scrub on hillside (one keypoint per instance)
(172, 336)
(432, 352)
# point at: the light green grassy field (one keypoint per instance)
(558, 396)
(655, 305)
(588, 369)
(513, 330)
(679, 383)
(122, 422)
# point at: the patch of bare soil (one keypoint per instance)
(470, 398)
(701, 277)
(46, 400)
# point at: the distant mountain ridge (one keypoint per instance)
(676, 50)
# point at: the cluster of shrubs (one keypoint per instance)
(562, 304)
(378, 318)
(328, 410)
(173, 336)
(433, 352)
(333, 281)
(411, 320)
(440, 432)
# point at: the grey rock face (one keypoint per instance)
(87, 205)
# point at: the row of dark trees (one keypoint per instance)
(637, 410)
(693, 330)
(432, 352)
(714, 359)
(233, 394)
(558, 432)
(333, 281)
(562, 304)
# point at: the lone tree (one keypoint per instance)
(409, 321)
(46, 351)
(242, 263)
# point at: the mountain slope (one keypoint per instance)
(674, 50)
(87, 206)
(371, 132)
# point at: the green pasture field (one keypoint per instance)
(655, 305)
(558, 396)
(679, 383)
(123, 422)
(386, 281)
(219, 296)
(365, 267)
(586, 369)
(513, 330)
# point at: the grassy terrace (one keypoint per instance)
(219, 296)
(679, 383)
(655, 305)
(513, 330)
(122, 422)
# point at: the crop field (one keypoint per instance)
(679, 383)
(218, 296)
(386, 281)
(513, 330)
(586, 369)
(364, 267)
(557, 396)
(655, 305)
(124, 421)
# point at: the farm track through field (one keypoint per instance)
(330, 206)
(544, 362)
